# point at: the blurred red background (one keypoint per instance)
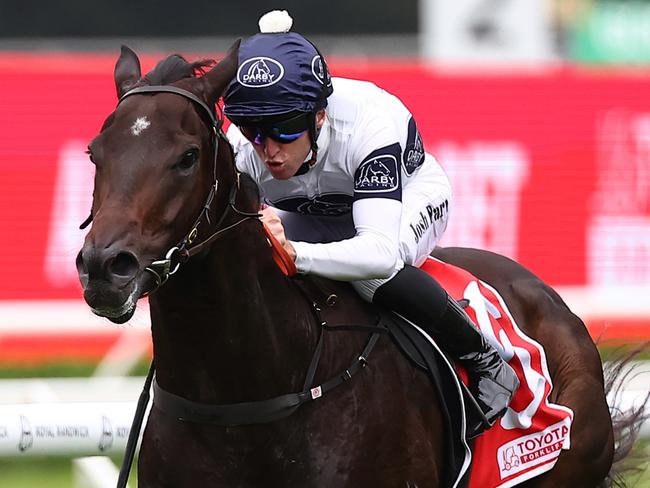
(550, 167)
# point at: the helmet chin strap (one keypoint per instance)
(313, 134)
(314, 156)
(307, 165)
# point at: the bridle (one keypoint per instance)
(179, 254)
(162, 269)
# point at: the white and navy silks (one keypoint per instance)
(373, 200)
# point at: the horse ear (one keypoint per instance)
(216, 80)
(127, 71)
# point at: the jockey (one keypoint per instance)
(352, 194)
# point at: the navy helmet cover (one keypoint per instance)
(278, 73)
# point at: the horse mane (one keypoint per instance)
(174, 68)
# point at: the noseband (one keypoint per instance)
(162, 269)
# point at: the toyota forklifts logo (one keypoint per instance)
(533, 449)
(259, 72)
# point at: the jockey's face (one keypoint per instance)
(284, 159)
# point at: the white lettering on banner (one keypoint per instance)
(618, 234)
(71, 206)
(618, 251)
(487, 180)
(53, 431)
(623, 184)
(530, 450)
(535, 382)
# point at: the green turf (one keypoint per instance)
(60, 370)
(29, 472)
(609, 350)
(43, 472)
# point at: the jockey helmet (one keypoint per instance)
(280, 73)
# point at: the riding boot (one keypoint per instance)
(419, 298)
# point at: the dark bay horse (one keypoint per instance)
(229, 327)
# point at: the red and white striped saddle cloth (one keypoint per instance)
(527, 441)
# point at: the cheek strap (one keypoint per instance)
(313, 133)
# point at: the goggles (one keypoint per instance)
(282, 131)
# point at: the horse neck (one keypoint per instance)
(229, 326)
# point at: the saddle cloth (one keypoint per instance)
(527, 441)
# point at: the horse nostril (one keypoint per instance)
(124, 264)
(81, 264)
(82, 269)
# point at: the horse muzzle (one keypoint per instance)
(111, 281)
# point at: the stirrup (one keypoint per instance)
(506, 389)
(476, 421)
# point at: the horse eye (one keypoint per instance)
(188, 159)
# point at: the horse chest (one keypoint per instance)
(315, 447)
(250, 456)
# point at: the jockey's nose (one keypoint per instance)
(110, 264)
(271, 147)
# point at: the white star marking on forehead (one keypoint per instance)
(140, 124)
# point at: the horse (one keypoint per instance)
(172, 219)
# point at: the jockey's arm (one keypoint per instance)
(371, 253)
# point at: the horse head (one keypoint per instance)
(156, 170)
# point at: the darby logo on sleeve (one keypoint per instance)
(378, 174)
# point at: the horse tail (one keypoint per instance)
(628, 459)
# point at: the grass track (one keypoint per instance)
(35, 472)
